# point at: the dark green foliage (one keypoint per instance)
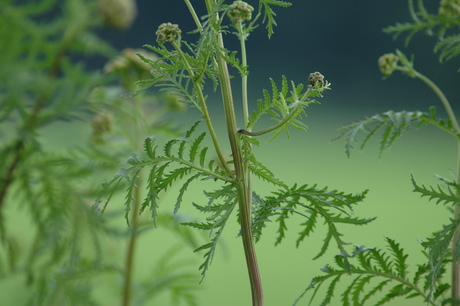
(376, 271)
(442, 25)
(385, 274)
(183, 157)
(285, 103)
(51, 239)
(220, 214)
(269, 14)
(311, 203)
(391, 125)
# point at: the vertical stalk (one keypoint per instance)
(129, 260)
(240, 173)
(456, 241)
(244, 98)
(456, 238)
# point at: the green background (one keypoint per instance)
(342, 40)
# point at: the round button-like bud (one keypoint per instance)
(387, 63)
(316, 79)
(240, 11)
(167, 32)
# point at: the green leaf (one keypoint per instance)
(269, 14)
(439, 195)
(392, 124)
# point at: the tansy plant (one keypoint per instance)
(385, 273)
(189, 69)
(54, 248)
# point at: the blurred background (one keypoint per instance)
(342, 40)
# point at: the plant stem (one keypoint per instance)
(193, 13)
(456, 237)
(244, 97)
(274, 127)
(440, 95)
(204, 109)
(129, 260)
(240, 172)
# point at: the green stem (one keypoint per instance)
(129, 260)
(193, 13)
(244, 97)
(455, 291)
(438, 92)
(204, 108)
(276, 126)
(244, 207)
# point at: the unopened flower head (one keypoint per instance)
(118, 14)
(387, 63)
(167, 32)
(316, 79)
(449, 8)
(240, 11)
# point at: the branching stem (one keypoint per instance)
(284, 121)
(240, 171)
(204, 108)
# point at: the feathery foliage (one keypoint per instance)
(48, 87)
(391, 125)
(444, 25)
(373, 271)
(385, 274)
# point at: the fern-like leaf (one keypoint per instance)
(392, 124)
(215, 224)
(378, 274)
(313, 203)
(439, 195)
(269, 14)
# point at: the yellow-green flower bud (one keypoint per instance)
(387, 63)
(316, 79)
(167, 32)
(118, 14)
(240, 11)
(449, 8)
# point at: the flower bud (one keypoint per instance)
(240, 11)
(101, 124)
(129, 61)
(449, 8)
(387, 63)
(316, 79)
(167, 32)
(118, 14)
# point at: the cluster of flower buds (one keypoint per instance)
(387, 63)
(167, 32)
(118, 14)
(240, 11)
(316, 79)
(449, 8)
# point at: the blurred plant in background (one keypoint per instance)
(379, 276)
(54, 245)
